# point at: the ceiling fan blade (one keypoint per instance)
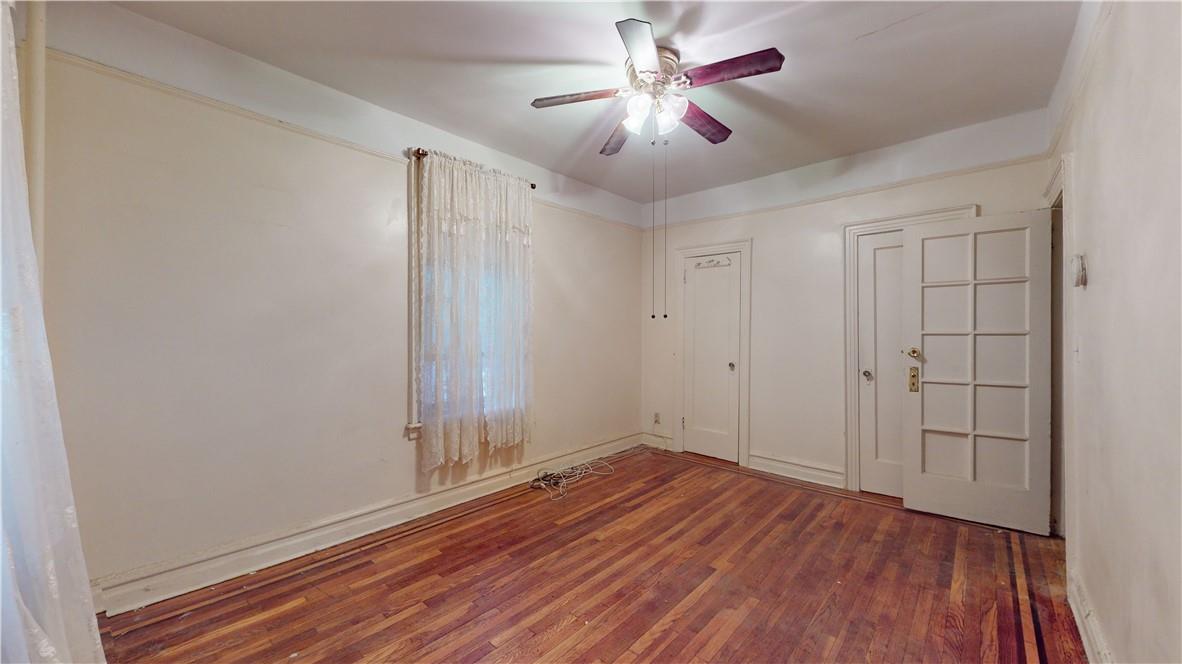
(642, 48)
(705, 124)
(558, 100)
(615, 141)
(752, 64)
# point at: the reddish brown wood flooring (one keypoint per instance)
(670, 559)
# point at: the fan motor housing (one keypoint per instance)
(669, 58)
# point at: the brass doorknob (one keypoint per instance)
(731, 365)
(867, 375)
(912, 352)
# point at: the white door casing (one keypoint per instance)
(711, 371)
(977, 306)
(881, 385)
(853, 377)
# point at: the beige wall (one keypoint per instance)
(798, 307)
(1122, 211)
(226, 301)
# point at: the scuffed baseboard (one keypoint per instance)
(799, 470)
(1085, 619)
(124, 591)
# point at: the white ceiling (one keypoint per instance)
(858, 76)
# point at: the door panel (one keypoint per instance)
(977, 305)
(880, 335)
(711, 372)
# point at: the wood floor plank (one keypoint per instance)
(672, 558)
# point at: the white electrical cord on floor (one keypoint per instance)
(556, 482)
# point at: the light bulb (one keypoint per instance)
(639, 105)
(635, 123)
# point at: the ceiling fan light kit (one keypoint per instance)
(654, 85)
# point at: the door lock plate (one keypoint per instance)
(913, 379)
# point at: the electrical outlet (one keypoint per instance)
(656, 418)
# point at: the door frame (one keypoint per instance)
(853, 457)
(743, 248)
(1059, 187)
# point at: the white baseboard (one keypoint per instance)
(799, 470)
(139, 587)
(1085, 619)
(96, 594)
(659, 441)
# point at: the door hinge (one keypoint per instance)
(683, 276)
(683, 423)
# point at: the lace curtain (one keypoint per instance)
(471, 306)
(47, 612)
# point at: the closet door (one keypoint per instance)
(976, 303)
(711, 356)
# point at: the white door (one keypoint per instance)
(711, 356)
(882, 385)
(977, 309)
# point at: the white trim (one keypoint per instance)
(743, 247)
(171, 90)
(799, 470)
(97, 67)
(96, 595)
(658, 440)
(124, 591)
(852, 233)
(1054, 186)
(1095, 645)
(1091, 22)
(1058, 185)
(1018, 137)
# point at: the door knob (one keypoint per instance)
(867, 375)
(731, 365)
(912, 352)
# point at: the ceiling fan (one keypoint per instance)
(653, 82)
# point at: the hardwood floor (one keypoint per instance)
(671, 559)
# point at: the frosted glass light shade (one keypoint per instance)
(639, 105)
(634, 123)
(666, 121)
(676, 104)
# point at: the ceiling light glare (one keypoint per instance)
(634, 124)
(639, 106)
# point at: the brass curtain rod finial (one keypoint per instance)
(419, 153)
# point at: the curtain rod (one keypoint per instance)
(419, 153)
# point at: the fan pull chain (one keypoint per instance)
(665, 232)
(653, 228)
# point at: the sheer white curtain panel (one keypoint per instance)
(46, 610)
(472, 292)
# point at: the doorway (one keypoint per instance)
(974, 322)
(873, 290)
(1058, 360)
